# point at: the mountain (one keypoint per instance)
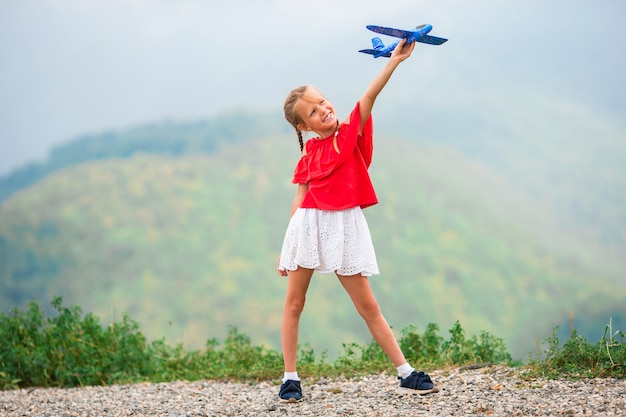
(205, 136)
(187, 245)
(569, 154)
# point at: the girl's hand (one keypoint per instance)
(281, 272)
(402, 51)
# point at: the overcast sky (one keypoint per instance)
(73, 67)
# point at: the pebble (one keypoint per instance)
(489, 391)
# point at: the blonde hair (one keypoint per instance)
(292, 117)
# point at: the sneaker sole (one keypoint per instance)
(291, 400)
(402, 390)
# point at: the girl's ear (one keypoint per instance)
(303, 127)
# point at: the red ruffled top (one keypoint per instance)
(338, 181)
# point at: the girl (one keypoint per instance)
(327, 231)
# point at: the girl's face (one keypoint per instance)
(317, 113)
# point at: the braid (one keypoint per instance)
(291, 116)
(299, 133)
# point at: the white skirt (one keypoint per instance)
(329, 241)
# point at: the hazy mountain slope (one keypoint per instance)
(567, 148)
(188, 246)
(205, 136)
(567, 152)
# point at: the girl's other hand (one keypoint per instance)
(281, 272)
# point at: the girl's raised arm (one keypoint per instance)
(399, 54)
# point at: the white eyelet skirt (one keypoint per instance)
(329, 241)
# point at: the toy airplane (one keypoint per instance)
(419, 34)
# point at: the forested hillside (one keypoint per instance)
(569, 155)
(187, 245)
(167, 138)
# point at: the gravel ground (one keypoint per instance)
(495, 391)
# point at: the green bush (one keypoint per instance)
(577, 358)
(75, 350)
(68, 350)
(428, 350)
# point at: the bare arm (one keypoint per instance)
(302, 189)
(399, 54)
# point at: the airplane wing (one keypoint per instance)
(396, 33)
(432, 40)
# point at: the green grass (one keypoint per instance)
(72, 349)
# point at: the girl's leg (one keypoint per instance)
(359, 290)
(297, 285)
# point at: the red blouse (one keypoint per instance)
(338, 181)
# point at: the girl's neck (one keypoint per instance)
(328, 133)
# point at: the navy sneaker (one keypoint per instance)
(290, 391)
(417, 383)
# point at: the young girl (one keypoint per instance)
(327, 231)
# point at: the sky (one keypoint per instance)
(75, 67)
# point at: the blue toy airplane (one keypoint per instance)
(419, 34)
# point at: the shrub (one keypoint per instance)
(68, 350)
(428, 350)
(73, 350)
(577, 358)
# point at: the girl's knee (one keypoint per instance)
(369, 310)
(294, 307)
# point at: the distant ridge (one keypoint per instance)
(166, 138)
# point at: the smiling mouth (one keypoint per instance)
(328, 116)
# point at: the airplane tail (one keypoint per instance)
(377, 43)
(370, 51)
(379, 47)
